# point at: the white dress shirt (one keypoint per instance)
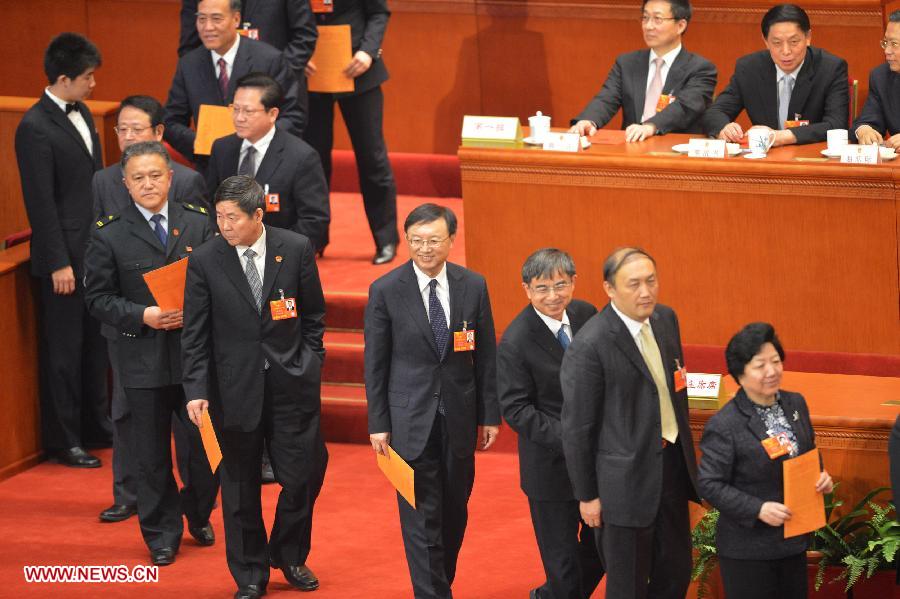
(668, 58)
(259, 261)
(634, 326)
(260, 146)
(554, 325)
(76, 118)
(228, 56)
(442, 290)
(164, 222)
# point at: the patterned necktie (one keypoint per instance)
(248, 164)
(650, 352)
(654, 91)
(253, 278)
(159, 229)
(784, 99)
(438, 319)
(223, 78)
(563, 338)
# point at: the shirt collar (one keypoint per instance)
(634, 326)
(147, 214)
(228, 56)
(258, 246)
(793, 75)
(553, 324)
(56, 100)
(262, 144)
(668, 57)
(424, 279)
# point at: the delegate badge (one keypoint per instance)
(283, 308)
(464, 340)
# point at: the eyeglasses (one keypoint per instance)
(656, 20)
(558, 288)
(247, 112)
(894, 44)
(126, 130)
(434, 242)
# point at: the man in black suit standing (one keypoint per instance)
(664, 89)
(140, 120)
(626, 435)
(431, 389)
(252, 352)
(881, 112)
(794, 89)
(363, 111)
(147, 235)
(58, 151)
(286, 166)
(207, 75)
(528, 361)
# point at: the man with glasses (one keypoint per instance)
(881, 113)
(530, 394)
(796, 90)
(663, 89)
(431, 389)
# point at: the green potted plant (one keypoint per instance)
(703, 539)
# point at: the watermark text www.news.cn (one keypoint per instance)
(88, 574)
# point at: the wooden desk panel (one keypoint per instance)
(804, 245)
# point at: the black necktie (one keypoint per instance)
(71, 108)
(438, 319)
(248, 164)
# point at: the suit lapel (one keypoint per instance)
(458, 289)
(541, 335)
(233, 156)
(177, 227)
(676, 72)
(140, 228)
(209, 73)
(768, 92)
(668, 360)
(411, 296)
(231, 266)
(241, 67)
(790, 407)
(625, 342)
(274, 259)
(60, 118)
(802, 87)
(639, 83)
(272, 159)
(754, 422)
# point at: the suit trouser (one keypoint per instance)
(299, 459)
(783, 578)
(659, 553)
(363, 115)
(74, 400)
(433, 533)
(568, 551)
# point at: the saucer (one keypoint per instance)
(531, 141)
(753, 156)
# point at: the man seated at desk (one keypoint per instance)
(661, 90)
(796, 90)
(881, 112)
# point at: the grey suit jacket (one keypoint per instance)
(112, 197)
(691, 79)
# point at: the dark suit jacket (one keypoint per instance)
(882, 108)
(292, 169)
(691, 78)
(367, 19)
(123, 249)
(195, 83)
(610, 418)
(737, 476)
(285, 24)
(404, 370)
(112, 197)
(820, 95)
(530, 394)
(56, 168)
(226, 343)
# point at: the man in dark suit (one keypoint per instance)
(661, 90)
(207, 75)
(140, 120)
(431, 389)
(881, 112)
(58, 151)
(149, 234)
(363, 110)
(286, 166)
(626, 435)
(794, 89)
(528, 361)
(252, 352)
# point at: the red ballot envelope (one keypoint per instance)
(400, 474)
(800, 496)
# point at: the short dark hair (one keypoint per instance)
(746, 343)
(70, 54)
(271, 91)
(427, 213)
(894, 17)
(245, 191)
(621, 256)
(785, 13)
(233, 5)
(546, 262)
(681, 9)
(145, 104)
(144, 148)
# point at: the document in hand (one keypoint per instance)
(807, 506)
(167, 285)
(332, 55)
(210, 442)
(213, 122)
(400, 474)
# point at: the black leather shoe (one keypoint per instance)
(76, 457)
(251, 591)
(301, 577)
(268, 475)
(203, 534)
(117, 513)
(385, 253)
(163, 556)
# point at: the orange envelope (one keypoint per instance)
(400, 474)
(210, 442)
(167, 285)
(800, 496)
(212, 123)
(332, 55)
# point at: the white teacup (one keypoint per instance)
(760, 140)
(837, 139)
(539, 126)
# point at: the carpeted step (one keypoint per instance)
(429, 175)
(343, 357)
(344, 417)
(344, 310)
